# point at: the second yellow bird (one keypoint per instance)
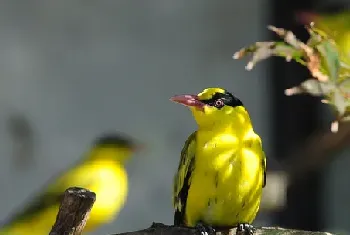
(101, 171)
(222, 169)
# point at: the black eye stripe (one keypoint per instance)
(226, 97)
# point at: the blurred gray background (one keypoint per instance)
(71, 70)
(75, 69)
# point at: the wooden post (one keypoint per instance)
(74, 211)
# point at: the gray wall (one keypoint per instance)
(77, 68)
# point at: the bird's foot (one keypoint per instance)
(205, 229)
(245, 229)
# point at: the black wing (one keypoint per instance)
(182, 179)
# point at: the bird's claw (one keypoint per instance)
(246, 229)
(205, 229)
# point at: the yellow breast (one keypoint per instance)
(111, 193)
(226, 183)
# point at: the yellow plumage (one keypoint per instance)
(101, 171)
(222, 168)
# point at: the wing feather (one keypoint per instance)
(182, 179)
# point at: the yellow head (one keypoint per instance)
(113, 146)
(214, 107)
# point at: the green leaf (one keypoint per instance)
(344, 84)
(339, 102)
(317, 88)
(285, 50)
(330, 57)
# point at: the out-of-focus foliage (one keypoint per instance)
(330, 75)
(335, 22)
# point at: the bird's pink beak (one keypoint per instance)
(305, 17)
(189, 101)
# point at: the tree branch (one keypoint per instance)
(77, 203)
(74, 211)
(161, 229)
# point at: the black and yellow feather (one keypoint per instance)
(182, 180)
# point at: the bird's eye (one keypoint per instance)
(219, 103)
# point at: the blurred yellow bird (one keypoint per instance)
(222, 169)
(101, 171)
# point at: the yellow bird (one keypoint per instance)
(101, 171)
(222, 169)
